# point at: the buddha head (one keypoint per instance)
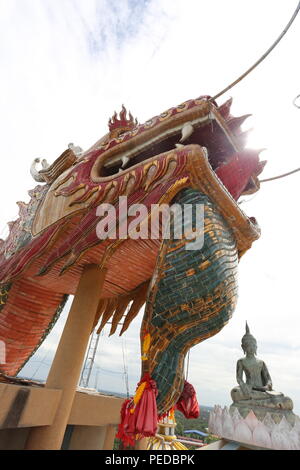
(249, 344)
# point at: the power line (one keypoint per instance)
(295, 102)
(125, 369)
(261, 58)
(110, 372)
(41, 362)
(188, 365)
(279, 176)
(248, 200)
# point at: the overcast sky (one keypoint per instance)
(66, 65)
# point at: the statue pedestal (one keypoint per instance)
(274, 431)
(260, 412)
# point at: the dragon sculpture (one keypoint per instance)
(191, 154)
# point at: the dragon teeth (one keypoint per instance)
(125, 160)
(205, 151)
(186, 131)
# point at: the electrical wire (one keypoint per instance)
(279, 176)
(41, 362)
(187, 365)
(125, 369)
(261, 58)
(295, 102)
(248, 200)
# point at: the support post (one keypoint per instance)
(87, 438)
(109, 437)
(66, 366)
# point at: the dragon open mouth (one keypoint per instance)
(204, 131)
(199, 122)
(222, 139)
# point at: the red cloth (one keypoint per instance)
(121, 434)
(235, 173)
(187, 403)
(142, 422)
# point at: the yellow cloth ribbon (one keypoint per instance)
(138, 395)
(146, 346)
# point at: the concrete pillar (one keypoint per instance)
(13, 439)
(66, 367)
(109, 437)
(87, 438)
